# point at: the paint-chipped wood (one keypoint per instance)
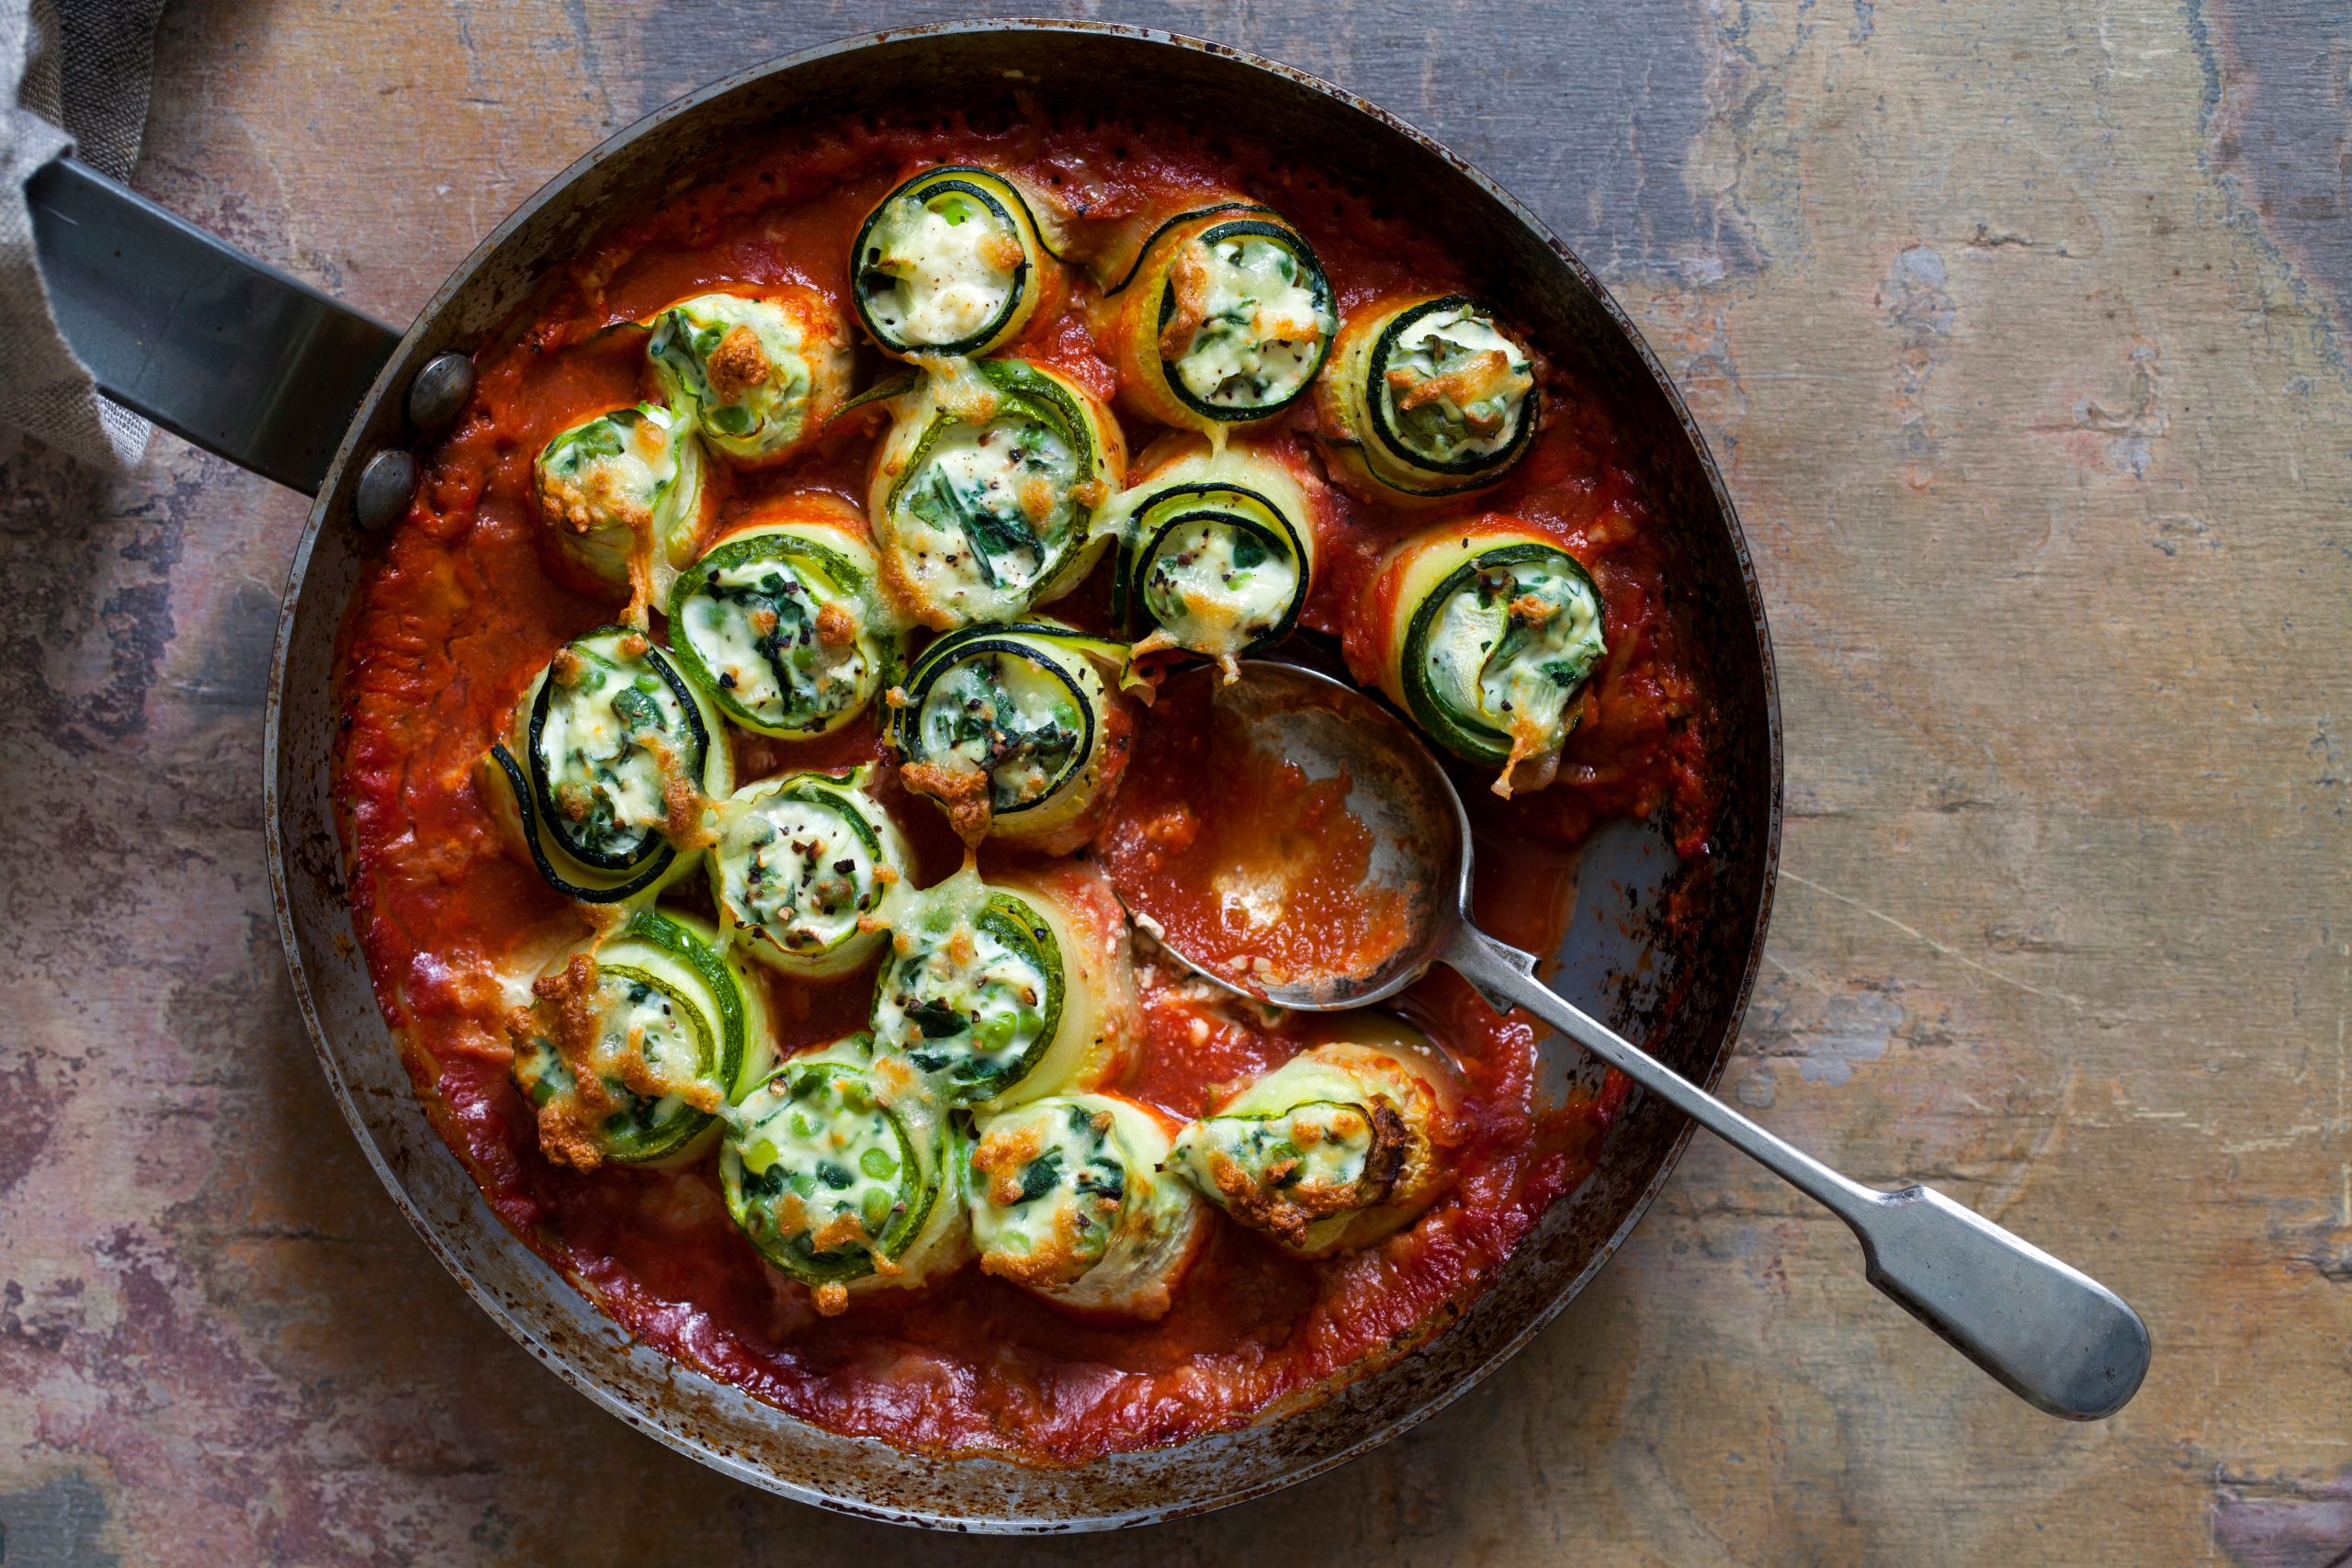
(2022, 333)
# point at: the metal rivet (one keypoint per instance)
(439, 390)
(385, 486)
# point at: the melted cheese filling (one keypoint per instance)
(1217, 587)
(1317, 1152)
(1455, 343)
(799, 872)
(755, 625)
(966, 1005)
(600, 483)
(989, 508)
(759, 399)
(1048, 1182)
(1007, 716)
(1511, 646)
(952, 266)
(827, 1172)
(613, 734)
(639, 1022)
(1261, 329)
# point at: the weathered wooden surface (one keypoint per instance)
(2021, 331)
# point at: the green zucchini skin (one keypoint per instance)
(614, 844)
(1225, 320)
(1426, 399)
(844, 1171)
(950, 263)
(1339, 1146)
(1013, 730)
(760, 371)
(678, 1032)
(983, 493)
(622, 500)
(808, 873)
(1069, 1202)
(808, 561)
(1491, 632)
(1217, 550)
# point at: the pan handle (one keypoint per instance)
(198, 336)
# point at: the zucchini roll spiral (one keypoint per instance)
(1337, 1147)
(763, 372)
(623, 500)
(802, 870)
(1015, 731)
(1426, 399)
(1069, 1200)
(949, 263)
(1486, 633)
(1225, 320)
(983, 493)
(783, 623)
(847, 1174)
(1216, 550)
(1002, 992)
(605, 768)
(633, 1045)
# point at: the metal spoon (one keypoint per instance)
(2055, 1336)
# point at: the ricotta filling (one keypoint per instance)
(1262, 328)
(744, 363)
(989, 506)
(1511, 646)
(940, 271)
(1218, 586)
(827, 1172)
(757, 627)
(1048, 1184)
(1455, 387)
(602, 483)
(964, 1004)
(650, 1058)
(1317, 1155)
(613, 735)
(799, 872)
(1013, 718)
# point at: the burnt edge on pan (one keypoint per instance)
(1078, 63)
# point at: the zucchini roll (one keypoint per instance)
(1217, 550)
(1336, 1148)
(783, 623)
(1225, 320)
(1427, 398)
(983, 493)
(949, 263)
(634, 1044)
(1002, 992)
(803, 870)
(1485, 633)
(847, 1174)
(1015, 731)
(605, 767)
(763, 372)
(1069, 1200)
(623, 499)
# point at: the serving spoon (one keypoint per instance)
(2055, 1336)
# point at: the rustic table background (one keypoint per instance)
(2020, 329)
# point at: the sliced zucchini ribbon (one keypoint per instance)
(803, 870)
(1002, 992)
(1427, 398)
(1069, 1200)
(846, 1173)
(606, 766)
(1013, 730)
(633, 1045)
(1216, 550)
(622, 497)
(1225, 319)
(762, 373)
(783, 622)
(1492, 631)
(950, 263)
(1336, 1148)
(983, 493)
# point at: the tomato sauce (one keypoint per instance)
(460, 609)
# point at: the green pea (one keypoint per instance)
(877, 1164)
(876, 1210)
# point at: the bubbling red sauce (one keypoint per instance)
(459, 609)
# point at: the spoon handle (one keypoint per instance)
(2055, 1336)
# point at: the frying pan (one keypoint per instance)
(276, 375)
